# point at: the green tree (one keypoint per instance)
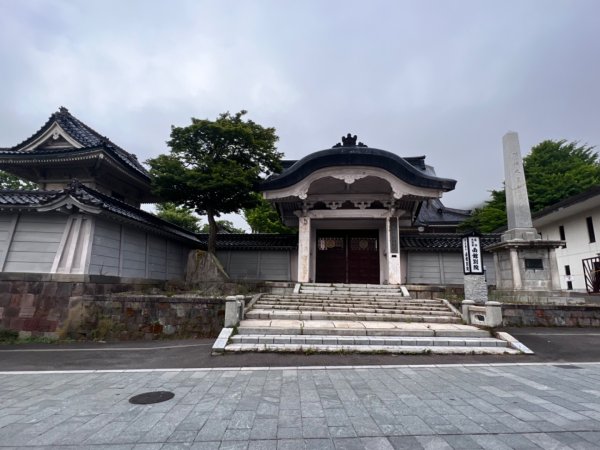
(215, 166)
(12, 182)
(225, 225)
(554, 170)
(178, 215)
(263, 218)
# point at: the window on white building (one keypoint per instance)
(590, 227)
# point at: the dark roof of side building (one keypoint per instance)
(411, 170)
(84, 196)
(433, 212)
(235, 241)
(86, 136)
(569, 201)
(441, 242)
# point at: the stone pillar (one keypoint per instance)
(554, 275)
(304, 250)
(476, 288)
(516, 270)
(517, 200)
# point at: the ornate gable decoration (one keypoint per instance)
(349, 141)
(55, 137)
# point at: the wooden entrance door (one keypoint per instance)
(347, 256)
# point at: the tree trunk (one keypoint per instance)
(212, 232)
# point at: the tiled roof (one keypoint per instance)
(88, 196)
(85, 135)
(232, 241)
(434, 212)
(429, 242)
(24, 198)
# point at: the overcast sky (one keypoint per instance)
(445, 79)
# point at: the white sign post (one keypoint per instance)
(475, 284)
(472, 258)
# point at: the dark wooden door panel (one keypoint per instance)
(331, 257)
(347, 256)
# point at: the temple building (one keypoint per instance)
(85, 219)
(363, 215)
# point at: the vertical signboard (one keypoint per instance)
(472, 259)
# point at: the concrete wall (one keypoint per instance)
(578, 244)
(29, 241)
(257, 264)
(439, 268)
(121, 250)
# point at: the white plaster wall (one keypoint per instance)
(578, 244)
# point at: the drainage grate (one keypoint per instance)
(151, 397)
(567, 366)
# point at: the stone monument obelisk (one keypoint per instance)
(526, 266)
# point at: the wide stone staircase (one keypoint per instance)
(321, 317)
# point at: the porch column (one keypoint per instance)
(304, 250)
(393, 253)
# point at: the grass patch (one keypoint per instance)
(8, 337)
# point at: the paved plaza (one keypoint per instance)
(490, 406)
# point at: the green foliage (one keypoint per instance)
(12, 182)
(264, 219)
(554, 170)
(225, 225)
(178, 215)
(215, 166)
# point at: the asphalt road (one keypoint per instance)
(560, 345)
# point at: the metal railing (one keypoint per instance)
(591, 274)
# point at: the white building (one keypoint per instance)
(576, 221)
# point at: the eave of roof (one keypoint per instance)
(356, 156)
(237, 241)
(47, 156)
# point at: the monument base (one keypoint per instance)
(526, 265)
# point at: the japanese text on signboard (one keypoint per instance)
(472, 258)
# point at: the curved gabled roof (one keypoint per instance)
(84, 135)
(357, 156)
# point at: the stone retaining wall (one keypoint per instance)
(515, 315)
(143, 317)
(95, 307)
(38, 304)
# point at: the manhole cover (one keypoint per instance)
(567, 366)
(151, 397)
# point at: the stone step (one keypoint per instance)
(256, 313)
(353, 308)
(358, 328)
(352, 292)
(366, 340)
(391, 349)
(352, 299)
(382, 287)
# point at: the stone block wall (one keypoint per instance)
(38, 303)
(550, 315)
(129, 316)
(95, 307)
